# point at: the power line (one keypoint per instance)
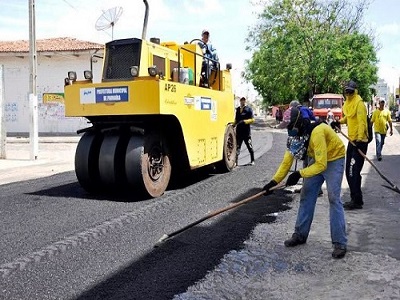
(70, 4)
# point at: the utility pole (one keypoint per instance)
(3, 134)
(33, 102)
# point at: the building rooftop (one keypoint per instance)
(49, 45)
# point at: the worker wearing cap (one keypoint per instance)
(355, 116)
(208, 48)
(327, 152)
(210, 54)
(380, 119)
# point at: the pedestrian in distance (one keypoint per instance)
(243, 118)
(330, 117)
(355, 116)
(279, 116)
(327, 153)
(381, 120)
(285, 119)
(335, 124)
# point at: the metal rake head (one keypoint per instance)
(393, 188)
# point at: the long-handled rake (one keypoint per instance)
(215, 213)
(392, 186)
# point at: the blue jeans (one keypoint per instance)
(333, 176)
(379, 142)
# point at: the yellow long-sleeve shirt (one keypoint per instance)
(324, 146)
(355, 116)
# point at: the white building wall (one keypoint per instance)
(51, 72)
(382, 89)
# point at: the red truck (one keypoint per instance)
(321, 103)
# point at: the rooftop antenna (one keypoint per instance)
(108, 19)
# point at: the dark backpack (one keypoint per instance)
(369, 127)
(370, 132)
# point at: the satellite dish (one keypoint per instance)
(108, 19)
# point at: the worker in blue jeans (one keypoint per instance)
(327, 152)
(382, 121)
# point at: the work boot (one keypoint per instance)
(294, 241)
(351, 205)
(339, 251)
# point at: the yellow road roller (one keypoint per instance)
(155, 115)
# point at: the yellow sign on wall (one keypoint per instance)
(53, 97)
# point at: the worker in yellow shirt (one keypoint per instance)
(380, 119)
(326, 151)
(355, 117)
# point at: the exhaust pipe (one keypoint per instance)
(146, 17)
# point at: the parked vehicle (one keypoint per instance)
(322, 102)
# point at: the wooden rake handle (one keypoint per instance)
(394, 187)
(217, 212)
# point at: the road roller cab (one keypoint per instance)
(152, 117)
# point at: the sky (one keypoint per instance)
(228, 22)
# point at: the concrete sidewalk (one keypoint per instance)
(266, 269)
(55, 155)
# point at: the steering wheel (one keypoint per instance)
(204, 45)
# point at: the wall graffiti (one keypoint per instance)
(51, 111)
(49, 92)
(11, 112)
(52, 107)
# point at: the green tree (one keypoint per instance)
(306, 47)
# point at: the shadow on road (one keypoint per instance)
(181, 261)
(75, 190)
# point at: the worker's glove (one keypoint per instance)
(268, 186)
(293, 178)
(335, 125)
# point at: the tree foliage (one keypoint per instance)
(306, 47)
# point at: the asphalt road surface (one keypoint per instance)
(58, 242)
